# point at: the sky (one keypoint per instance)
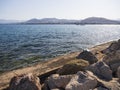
(63, 9)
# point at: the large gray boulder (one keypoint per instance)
(81, 81)
(88, 56)
(55, 81)
(101, 69)
(25, 82)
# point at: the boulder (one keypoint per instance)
(113, 47)
(108, 85)
(25, 82)
(81, 81)
(113, 60)
(101, 69)
(112, 57)
(88, 56)
(73, 67)
(55, 81)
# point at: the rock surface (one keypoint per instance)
(101, 70)
(25, 82)
(113, 60)
(73, 67)
(112, 57)
(88, 56)
(55, 81)
(113, 47)
(81, 81)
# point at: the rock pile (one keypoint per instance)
(78, 74)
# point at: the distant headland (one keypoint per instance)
(90, 20)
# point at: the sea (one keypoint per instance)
(25, 45)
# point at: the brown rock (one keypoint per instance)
(88, 56)
(73, 67)
(25, 82)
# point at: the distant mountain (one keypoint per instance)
(51, 21)
(3, 21)
(90, 20)
(96, 20)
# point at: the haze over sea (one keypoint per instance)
(22, 45)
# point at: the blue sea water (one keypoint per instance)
(21, 45)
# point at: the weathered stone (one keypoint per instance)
(25, 82)
(73, 67)
(88, 56)
(101, 70)
(113, 47)
(81, 81)
(109, 85)
(56, 81)
(113, 60)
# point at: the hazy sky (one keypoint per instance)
(69, 9)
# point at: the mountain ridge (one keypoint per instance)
(89, 20)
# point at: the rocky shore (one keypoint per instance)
(97, 68)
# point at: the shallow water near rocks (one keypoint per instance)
(22, 45)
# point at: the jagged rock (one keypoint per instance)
(101, 70)
(56, 81)
(73, 67)
(118, 72)
(88, 56)
(113, 60)
(109, 85)
(81, 81)
(112, 57)
(113, 47)
(25, 82)
(101, 88)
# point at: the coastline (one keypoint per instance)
(50, 65)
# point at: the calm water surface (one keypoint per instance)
(21, 45)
